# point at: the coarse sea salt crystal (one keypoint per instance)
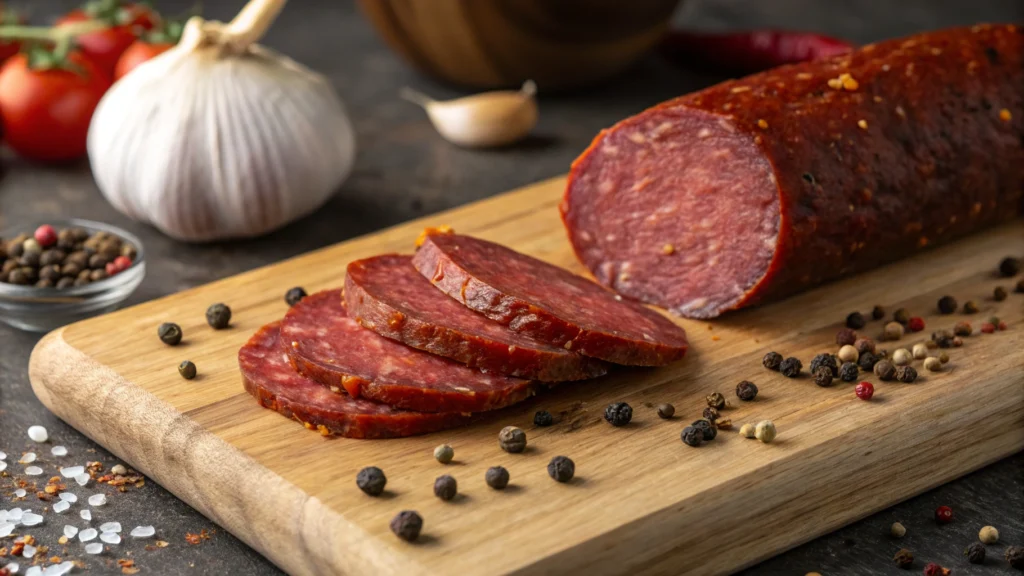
(86, 515)
(87, 534)
(59, 451)
(14, 514)
(68, 496)
(13, 567)
(70, 531)
(61, 506)
(72, 471)
(30, 519)
(20, 493)
(3, 465)
(6, 528)
(143, 531)
(94, 548)
(82, 479)
(38, 434)
(111, 537)
(97, 500)
(28, 458)
(34, 571)
(33, 471)
(29, 551)
(3, 455)
(59, 569)
(110, 527)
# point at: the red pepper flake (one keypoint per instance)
(55, 559)
(843, 82)
(943, 514)
(915, 324)
(127, 566)
(197, 538)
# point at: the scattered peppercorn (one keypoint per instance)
(988, 535)
(906, 374)
(824, 360)
(187, 370)
(1015, 556)
(892, 331)
(618, 414)
(1009, 266)
(943, 514)
(716, 400)
(988, 328)
(855, 320)
(957, 342)
(999, 294)
(772, 360)
(711, 414)
(885, 370)
(1002, 325)
(902, 357)
(407, 525)
(864, 390)
(747, 431)
(975, 553)
(561, 468)
(218, 316)
(933, 569)
(371, 480)
(915, 324)
(944, 357)
(765, 431)
(920, 351)
(848, 354)
(932, 364)
(971, 307)
(845, 336)
(746, 391)
(169, 333)
(904, 558)
(512, 440)
(294, 296)
(877, 313)
(707, 428)
(897, 530)
(543, 418)
(444, 453)
(863, 345)
(867, 361)
(445, 487)
(901, 315)
(790, 367)
(848, 372)
(962, 328)
(947, 305)
(496, 477)
(1020, 286)
(823, 376)
(692, 436)
(666, 411)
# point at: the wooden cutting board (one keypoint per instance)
(641, 502)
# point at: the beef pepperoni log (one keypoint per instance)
(387, 295)
(548, 303)
(269, 377)
(758, 188)
(330, 347)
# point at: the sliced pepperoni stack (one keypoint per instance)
(418, 344)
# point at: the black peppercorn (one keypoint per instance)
(618, 414)
(823, 376)
(971, 307)
(716, 400)
(772, 360)
(845, 336)
(904, 558)
(294, 296)
(1020, 286)
(543, 418)
(1009, 266)
(710, 414)
(445, 487)
(1015, 556)
(561, 468)
(30, 259)
(906, 374)
(901, 315)
(407, 525)
(999, 294)
(187, 370)
(746, 391)
(512, 440)
(52, 256)
(496, 477)
(18, 276)
(707, 428)
(855, 320)
(666, 411)
(692, 436)
(947, 305)
(848, 372)
(791, 367)
(826, 361)
(98, 261)
(371, 480)
(885, 370)
(877, 313)
(97, 275)
(170, 333)
(70, 269)
(218, 316)
(65, 283)
(975, 553)
(50, 272)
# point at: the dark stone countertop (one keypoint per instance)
(404, 170)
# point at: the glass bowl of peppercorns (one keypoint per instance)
(59, 272)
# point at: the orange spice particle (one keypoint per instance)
(1005, 115)
(668, 249)
(430, 230)
(863, 124)
(762, 124)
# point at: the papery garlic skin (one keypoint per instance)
(206, 146)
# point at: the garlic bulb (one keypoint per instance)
(482, 120)
(220, 137)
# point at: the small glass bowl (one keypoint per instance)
(44, 309)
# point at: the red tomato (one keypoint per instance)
(106, 46)
(138, 53)
(46, 113)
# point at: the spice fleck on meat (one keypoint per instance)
(668, 249)
(863, 124)
(762, 124)
(1005, 115)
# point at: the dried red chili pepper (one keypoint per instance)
(750, 51)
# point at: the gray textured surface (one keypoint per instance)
(403, 171)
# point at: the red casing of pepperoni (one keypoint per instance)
(759, 188)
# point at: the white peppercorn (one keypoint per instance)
(747, 430)
(898, 530)
(988, 535)
(920, 351)
(901, 357)
(848, 354)
(932, 364)
(765, 431)
(892, 331)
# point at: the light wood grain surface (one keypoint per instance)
(642, 502)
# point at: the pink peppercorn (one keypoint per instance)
(915, 324)
(46, 236)
(120, 264)
(864, 390)
(988, 328)
(933, 569)
(1002, 325)
(943, 514)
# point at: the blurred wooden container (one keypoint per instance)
(500, 43)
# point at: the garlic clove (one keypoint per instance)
(482, 120)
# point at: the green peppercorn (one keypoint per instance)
(170, 333)
(772, 360)
(716, 400)
(901, 315)
(666, 411)
(855, 320)
(294, 296)
(823, 376)
(561, 469)
(746, 391)
(497, 477)
(1009, 266)
(975, 553)
(371, 480)
(707, 428)
(971, 307)
(187, 370)
(218, 316)
(692, 436)
(790, 367)
(947, 305)
(444, 453)
(877, 313)
(445, 487)
(999, 294)
(407, 525)
(543, 418)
